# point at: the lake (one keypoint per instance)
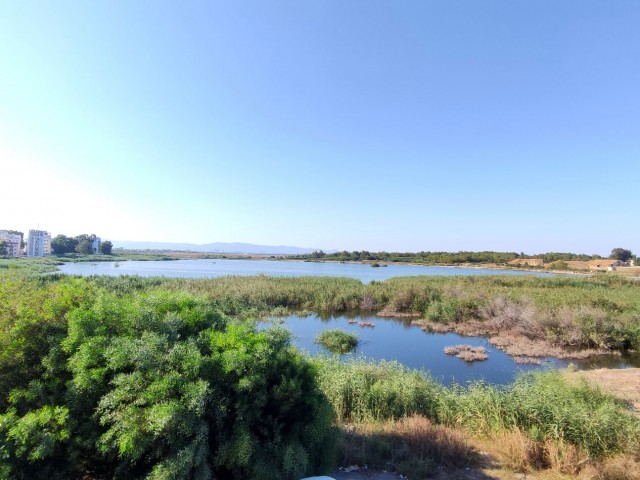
(207, 268)
(397, 339)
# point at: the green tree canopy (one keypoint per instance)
(3, 248)
(62, 244)
(105, 247)
(85, 247)
(621, 254)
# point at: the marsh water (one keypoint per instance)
(207, 268)
(397, 339)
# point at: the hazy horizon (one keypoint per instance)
(396, 126)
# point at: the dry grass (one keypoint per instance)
(628, 271)
(417, 448)
(413, 446)
(622, 383)
(524, 360)
(520, 346)
(514, 451)
(467, 353)
(512, 342)
(620, 467)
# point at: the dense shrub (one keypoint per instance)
(161, 385)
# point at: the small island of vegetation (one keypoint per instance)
(337, 341)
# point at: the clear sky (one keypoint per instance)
(379, 125)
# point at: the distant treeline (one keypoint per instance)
(443, 257)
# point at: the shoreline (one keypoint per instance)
(185, 255)
(513, 343)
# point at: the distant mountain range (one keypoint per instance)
(217, 247)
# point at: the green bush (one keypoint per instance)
(161, 385)
(337, 341)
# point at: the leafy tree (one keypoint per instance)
(84, 247)
(105, 247)
(621, 254)
(62, 244)
(3, 249)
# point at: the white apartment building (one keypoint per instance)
(38, 243)
(95, 246)
(12, 241)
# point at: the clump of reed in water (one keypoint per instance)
(467, 352)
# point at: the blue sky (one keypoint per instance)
(379, 125)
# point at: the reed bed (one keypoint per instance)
(602, 312)
(542, 405)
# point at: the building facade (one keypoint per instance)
(38, 243)
(12, 241)
(95, 246)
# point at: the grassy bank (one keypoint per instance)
(40, 265)
(538, 422)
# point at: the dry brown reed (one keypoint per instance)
(467, 353)
(516, 451)
(619, 467)
(414, 446)
(524, 360)
(521, 346)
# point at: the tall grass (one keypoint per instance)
(542, 405)
(362, 390)
(601, 312)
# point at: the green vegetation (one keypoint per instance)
(150, 385)
(106, 247)
(82, 244)
(621, 254)
(542, 404)
(598, 312)
(130, 377)
(29, 265)
(337, 341)
(445, 258)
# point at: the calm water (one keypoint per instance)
(393, 339)
(275, 268)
